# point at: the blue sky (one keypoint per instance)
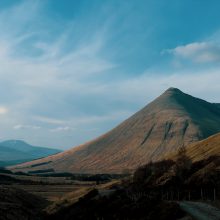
(71, 70)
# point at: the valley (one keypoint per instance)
(109, 110)
(145, 168)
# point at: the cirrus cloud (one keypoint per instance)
(61, 129)
(20, 126)
(83, 74)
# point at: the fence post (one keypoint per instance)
(201, 194)
(214, 194)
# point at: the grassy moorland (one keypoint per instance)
(157, 190)
(153, 191)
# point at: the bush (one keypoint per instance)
(151, 171)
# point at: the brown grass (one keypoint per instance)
(202, 149)
(172, 120)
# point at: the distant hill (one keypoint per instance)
(217, 104)
(17, 151)
(172, 120)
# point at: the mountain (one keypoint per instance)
(17, 151)
(201, 150)
(205, 148)
(172, 120)
(217, 104)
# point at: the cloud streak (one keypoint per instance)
(61, 129)
(199, 52)
(20, 126)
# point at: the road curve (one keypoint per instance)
(200, 211)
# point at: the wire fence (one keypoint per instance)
(210, 194)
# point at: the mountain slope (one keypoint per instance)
(172, 120)
(205, 148)
(17, 151)
(217, 104)
(18, 204)
(201, 150)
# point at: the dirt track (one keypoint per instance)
(200, 211)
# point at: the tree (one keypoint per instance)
(151, 171)
(183, 163)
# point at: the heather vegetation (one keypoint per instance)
(115, 188)
(152, 192)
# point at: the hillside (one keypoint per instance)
(18, 204)
(218, 105)
(170, 121)
(205, 148)
(201, 150)
(17, 151)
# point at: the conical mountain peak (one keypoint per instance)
(171, 99)
(174, 90)
(172, 120)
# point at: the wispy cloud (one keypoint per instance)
(41, 70)
(200, 52)
(48, 120)
(61, 129)
(20, 126)
(81, 76)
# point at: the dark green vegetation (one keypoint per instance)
(118, 206)
(151, 193)
(20, 205)
(15, 151)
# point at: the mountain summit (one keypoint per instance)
(172, 120)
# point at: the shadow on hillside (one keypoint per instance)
(152, 192)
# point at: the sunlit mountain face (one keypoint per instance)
(173, 120)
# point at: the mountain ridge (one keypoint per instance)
(172, 120)
(18, 151)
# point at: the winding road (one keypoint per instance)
(200, 211)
